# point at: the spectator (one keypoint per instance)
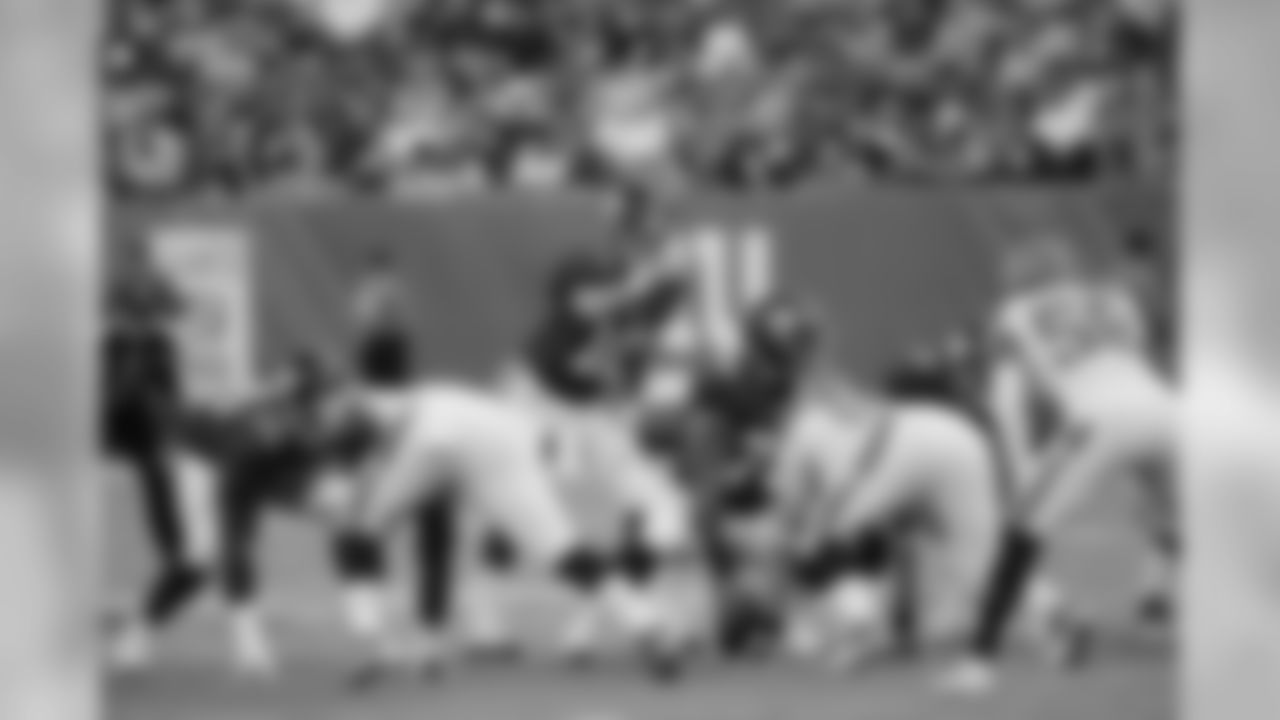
(405, 96)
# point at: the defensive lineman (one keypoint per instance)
(853, 464)
(1077, 344)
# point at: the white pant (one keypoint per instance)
(603, 467)
(1121, 424)
(935, 460)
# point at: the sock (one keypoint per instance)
(584, 573)
(435, 534)
(171, 593)
(251, 643)
(905, 604)
(133, 644)
(1043, 604)
(1014, 569)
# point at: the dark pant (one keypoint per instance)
(138, 435)
(435, 549)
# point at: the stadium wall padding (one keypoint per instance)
(891, 267)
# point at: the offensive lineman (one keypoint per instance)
(852, 464)
(491, 451)
(587, 378)
(1076, 343)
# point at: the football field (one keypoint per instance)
(1131, 677)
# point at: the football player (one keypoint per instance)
(492, 452)
(589, 378)
(1076, 344)
(1140, 269)
(743, 407)
(274, 453)
(855, 465)
(142, 394)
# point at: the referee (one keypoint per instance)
(142, 385)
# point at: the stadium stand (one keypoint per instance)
(422, 98)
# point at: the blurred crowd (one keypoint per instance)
(409, 98)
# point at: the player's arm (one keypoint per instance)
(646, 286)
(597, 301)
(1009, 405)
(1135, 321)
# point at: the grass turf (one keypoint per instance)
(1131, 679)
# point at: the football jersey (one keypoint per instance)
(141, 361)
(564, 346)
(755, 394)
(470, 431)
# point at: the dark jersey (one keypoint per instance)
(140, 362)
(754, 396)
(140, 382)
(745, 407)
(637, 328)
(568, 344)
(384, 355)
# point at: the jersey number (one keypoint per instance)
(732, 270)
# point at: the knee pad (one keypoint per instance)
(637, 560)
(358, 557)
(869, 554)
(582, 569)
(498, 552)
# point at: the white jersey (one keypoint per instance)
(472, 430)
(825, 447)
(728, 271)
(1072, 339)
(484, 445)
